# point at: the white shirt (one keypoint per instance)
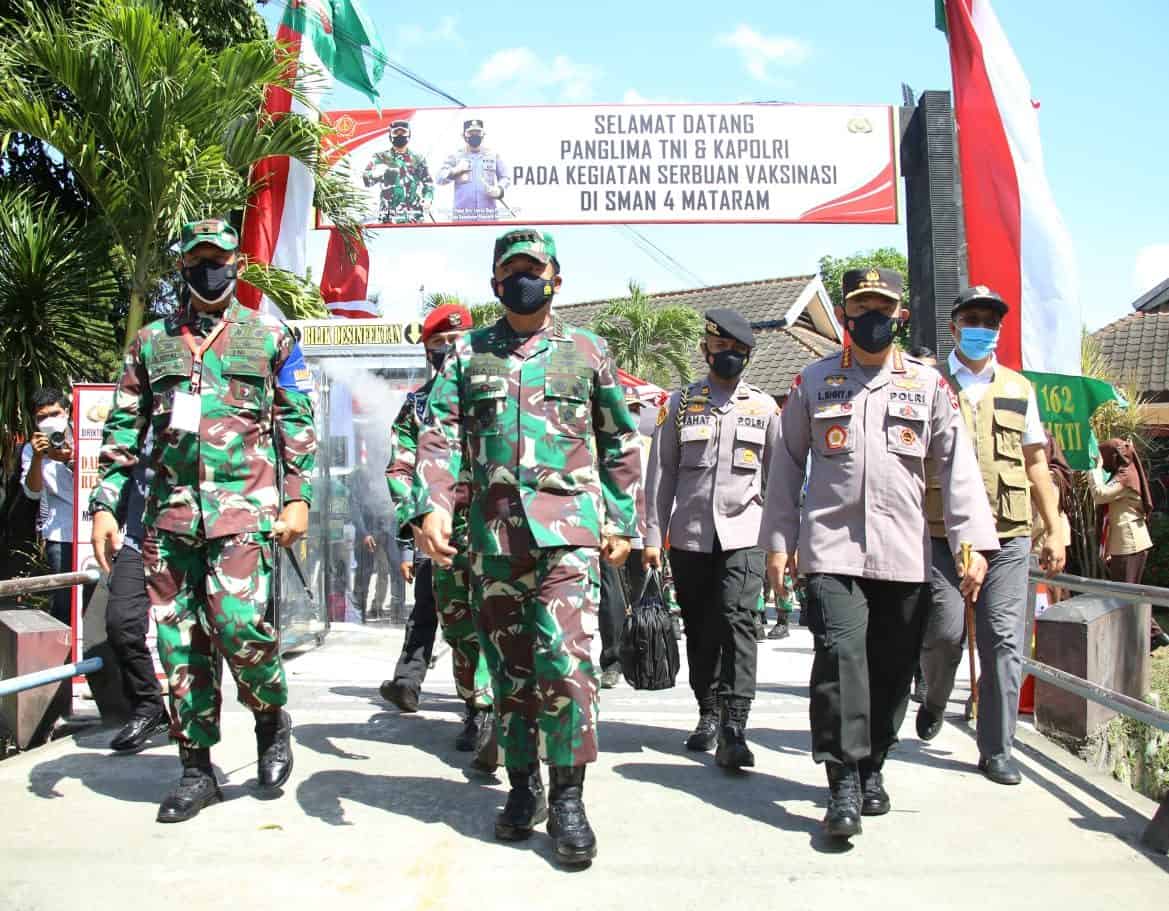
(56, 496)
(976, 384)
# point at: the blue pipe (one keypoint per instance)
(49, 675)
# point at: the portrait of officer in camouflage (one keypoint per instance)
(442, 588)
(535, 406)
(407, 189)
(706, 484)
(868, 418)
(226, 392)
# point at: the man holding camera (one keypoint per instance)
(47, 476)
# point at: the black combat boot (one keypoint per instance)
(733, 752)
(874, 797)
(273, 748)
(196, 789)
(401, 693)
(526, 805)
(568, 826)
(705, 733)
(843, 819)
(473, 722)
(486, 758)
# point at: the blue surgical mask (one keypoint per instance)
(977, 343)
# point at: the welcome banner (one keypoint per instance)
(622, 164)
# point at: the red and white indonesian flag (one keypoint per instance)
(325, 39)
(1016, 240)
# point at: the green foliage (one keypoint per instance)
(56, 293)
(297, 298)
(651, 342)
(486, 314)
(832, 269)
(158, 129)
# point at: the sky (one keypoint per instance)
(1102, 119)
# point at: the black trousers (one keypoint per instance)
(421, 628)
(718, 593)
(868, 637)
(127, 621)
(611, 618)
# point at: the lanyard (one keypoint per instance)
(197, 350)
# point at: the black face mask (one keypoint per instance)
(525, 294)
(728, 364)
(436, 356)
(400, 142)
(210, 282)
(474, 141)
(872, 331)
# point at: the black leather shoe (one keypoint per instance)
(705, 734)
(780, 630)
(486, 758)
(610, 677)
(526, 805)
(137, 732)
(1000, 770)
(1158, 641)
(568, 826)
(929, 723)
(874, 798)
(403, 695)
(472, 727)
(196, 789)
(273, 748)
(843, 819)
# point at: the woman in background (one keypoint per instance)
(1124, 504)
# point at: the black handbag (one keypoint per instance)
(649, 651)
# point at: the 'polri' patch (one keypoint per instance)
(295, 373)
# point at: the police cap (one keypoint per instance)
(727, 323)
(475, 124)
(399, 125)
(980, 296)
(872, 280)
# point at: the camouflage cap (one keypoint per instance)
(524, 242)
(215, 231)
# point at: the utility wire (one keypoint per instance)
(643, 243)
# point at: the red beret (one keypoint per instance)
(447, 318)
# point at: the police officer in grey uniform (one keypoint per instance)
(706, 484)
(869, 416)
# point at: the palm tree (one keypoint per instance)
(158, 129)
(56, 296)
(651, 342)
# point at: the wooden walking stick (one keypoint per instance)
(972, 706)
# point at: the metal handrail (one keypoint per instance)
(1156, 834)
(49, 675)
(27, 585)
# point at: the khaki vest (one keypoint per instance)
(996, 426)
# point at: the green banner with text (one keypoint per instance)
(1066, 406)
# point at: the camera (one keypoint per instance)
(58, 439)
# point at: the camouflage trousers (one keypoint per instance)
(537, 613)
(208, 598)
(452, 598)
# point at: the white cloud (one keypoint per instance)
(760, 53)
(1151, 267)
(414, 35)
(523, 75)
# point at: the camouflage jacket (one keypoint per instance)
(406, 183)
(403, 459)
(256, 410)
(555, 454)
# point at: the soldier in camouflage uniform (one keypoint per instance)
(226, 392)
(535, 406)
(451, 584)
(407, 188)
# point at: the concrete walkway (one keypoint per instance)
(382, 813)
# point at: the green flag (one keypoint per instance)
(341, 33)
(1066, 406)
(940, 16)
